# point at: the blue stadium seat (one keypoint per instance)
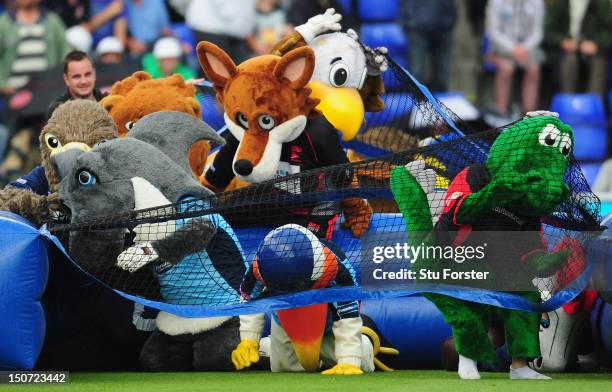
(610, 103)
(390, 35)
(580, 109)
(377, 10)
(347, 7)
(590, 142)
(590, 171)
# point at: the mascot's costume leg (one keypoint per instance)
(511, 177)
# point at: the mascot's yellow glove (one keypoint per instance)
(245, 354)
(343, 369)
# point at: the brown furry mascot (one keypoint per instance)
(74, 127)
(138, 95)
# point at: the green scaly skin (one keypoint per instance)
(527, 171)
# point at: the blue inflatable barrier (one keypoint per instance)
(601, 324)
(412, 325)
(605, 328)
(23, 275)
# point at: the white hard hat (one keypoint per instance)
(79, 38)
(167, 47)
(109, 44)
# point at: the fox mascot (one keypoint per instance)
(275, 130)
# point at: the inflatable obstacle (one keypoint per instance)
(23, 276)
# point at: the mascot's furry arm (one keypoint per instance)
(26, 203)
(191, 238)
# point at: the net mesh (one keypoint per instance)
(202, 251)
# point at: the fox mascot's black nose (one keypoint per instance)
(243, 167)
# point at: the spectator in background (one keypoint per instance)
(110, 51)
(516, 30)
(108, 18)
(101, 18)
(580, 31)
(299, 11)
(32, 39)
(224, 23)
(166, 60)
(270, 26)
(72, 12)
(79, 38)
(430, 35)
(148, 20)
(80, 79)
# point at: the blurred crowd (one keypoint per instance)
(547, 46)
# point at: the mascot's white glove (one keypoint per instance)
(319, 24)
(376, 60)
(425, 177)
(137, 256)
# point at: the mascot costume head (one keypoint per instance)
(347, 76)
(74, 127)
(138, 95)
(266, 104)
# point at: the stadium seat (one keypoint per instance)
(579, 109)
(347, 7)
(590, 142)
(590, 171)
(610, 103)
(377, 10)
(390, 35)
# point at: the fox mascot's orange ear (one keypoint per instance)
(296, 66)
(217, 65)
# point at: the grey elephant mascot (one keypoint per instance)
(187, 261)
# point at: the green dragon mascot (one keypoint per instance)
(522, 180)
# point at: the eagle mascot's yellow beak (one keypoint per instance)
(341, 106)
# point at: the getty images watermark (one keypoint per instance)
(424, 257)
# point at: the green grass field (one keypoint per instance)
(412, 381)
